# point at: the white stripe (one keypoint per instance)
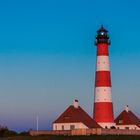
(102, 63)
(103, 94)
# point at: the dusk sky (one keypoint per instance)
(47, 57)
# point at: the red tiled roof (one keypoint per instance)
(74, 115)
(127, 118)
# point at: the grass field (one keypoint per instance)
(73, 138)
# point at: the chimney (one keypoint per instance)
(126, 108)
(75, 103)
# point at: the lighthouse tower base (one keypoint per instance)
(107, 124)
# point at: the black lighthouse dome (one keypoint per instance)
(102, 36)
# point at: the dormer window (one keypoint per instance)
(120, 121)
(67, 117)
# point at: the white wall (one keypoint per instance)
(131, 127)
(58, 126)
(102, 63)
(107, 124)
(103, 94)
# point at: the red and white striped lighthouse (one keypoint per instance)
(103, 106)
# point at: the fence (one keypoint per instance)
(94, 131)
(49, 132)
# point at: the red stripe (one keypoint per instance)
(102, 79)
(103, 112)
(102, 49)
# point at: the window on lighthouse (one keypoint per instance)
(102, 33)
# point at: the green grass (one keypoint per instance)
(73, 138)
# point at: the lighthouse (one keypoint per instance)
(103, 106)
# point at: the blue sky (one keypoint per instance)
(47, 57)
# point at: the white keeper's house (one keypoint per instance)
(127, 120)
(74, 117)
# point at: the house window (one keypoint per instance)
(72, 127)
(55, 127)
(126, 127)
(62, 127)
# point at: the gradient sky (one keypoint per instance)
(47, 57)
